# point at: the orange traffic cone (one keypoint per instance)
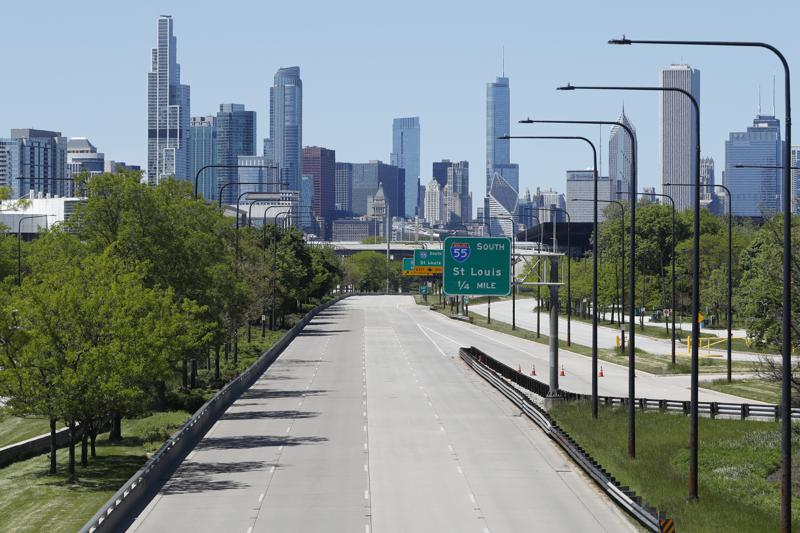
(533, 372)
(600, 374)
(562, 373)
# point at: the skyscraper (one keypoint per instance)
(344, 189)
(286, 124)
(167, 110)
(498, 119)
(39, 158)
(203, 140)
(458, 199)
(620, 152)
(580, 184)
(433, 203)
(755, 191)
(82, 157)
(707, 178)
(440, 171)
(236, 135)
(405, 154)
(677, 133)
(367, 177)
(500, 208)
(320, 165)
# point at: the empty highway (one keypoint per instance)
(368, 422)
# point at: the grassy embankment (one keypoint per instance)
(35, 501)
(655, 364)
(739, 481)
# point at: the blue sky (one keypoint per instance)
(81, 68)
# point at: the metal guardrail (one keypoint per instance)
(139, 489)
(487, 367)
(710, 409)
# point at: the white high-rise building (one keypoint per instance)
(167, 110)
(620, 152)
(677, 133)
(580, 191)
(433, 203)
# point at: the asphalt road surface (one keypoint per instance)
(367, 422)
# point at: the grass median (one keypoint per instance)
(739, 478)
(647, 362)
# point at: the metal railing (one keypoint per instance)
(711, 409)
(495, 373)
(145, 483)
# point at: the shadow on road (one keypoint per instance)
(321, 332)
(196, 477)
(255, 441)
(252, 394)
(261, 415)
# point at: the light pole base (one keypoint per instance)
(551, 401)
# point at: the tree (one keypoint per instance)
(368, 271)
(97, 338)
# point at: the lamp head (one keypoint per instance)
(504, 137)
(624, 40)
(668, 184)
(739, 165)
(526, 121)
(567, 87)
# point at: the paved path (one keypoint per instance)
(451, 334)
(367, 423)
(582, 331)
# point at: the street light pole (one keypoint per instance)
(594, 264)
(672, 312)
(201, 169)
(632, 280)
(786, 374)
(730, 266)
(569, 273)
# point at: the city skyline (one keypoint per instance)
(450, 132)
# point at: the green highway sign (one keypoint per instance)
(423, 289)
(408, 264)
(477, 266)
(428, 258)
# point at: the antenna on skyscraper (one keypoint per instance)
(504, 61)
(600, 165)
(759, 99)
(773, 95)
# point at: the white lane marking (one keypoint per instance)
(471, 497)
(366, 467)
(261, 498)
(364, 413)
(365, 445)
(459, 469)
(434, 342)
(250, 529)
(280, 449)
(429, 403)
(272, 469)
(365, 428)
(288, 429)
(450, 448)
(441, 428)
(366, 495)
(366, 528)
